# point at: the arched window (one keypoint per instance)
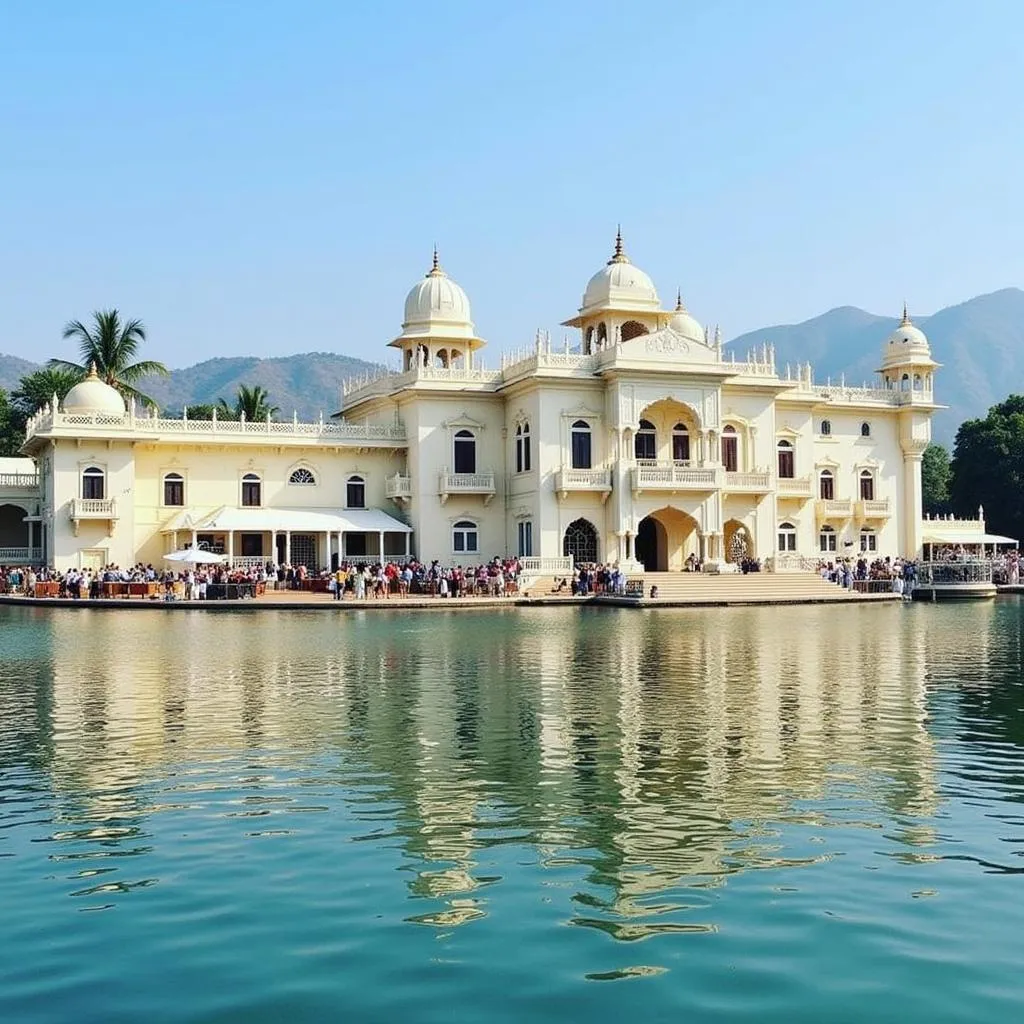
(827, 539)
(588, 341)
(865, 430)
(868, 539)
(602, 335)
(302, 477)
(174, 489)
(917, 382)
(680, 443)
(645, 444)
(355, 492)
(867, 486)
(252, 491)
(523, 448)
(465, 452)
(455, 358)
(787, 537)
(580, 542)
(582, 456)
(464, 537)
(94, 482)
(905, 382)
(632, 329)
(787, 465)
(730, 449)
(826, 428)
(442, 358)
(826, 485)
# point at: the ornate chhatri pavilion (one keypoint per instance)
(643, 442)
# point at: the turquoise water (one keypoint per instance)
(765, 814)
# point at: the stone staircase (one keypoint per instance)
(735, 588)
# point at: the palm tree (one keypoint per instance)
(37, 388)
(111, 346)
(252, 403)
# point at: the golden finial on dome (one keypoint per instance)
(435, 268)
(620, 256)
(92, 374)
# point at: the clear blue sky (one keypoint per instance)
(267, 178)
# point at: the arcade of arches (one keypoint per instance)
(14, 531)
(665, 539)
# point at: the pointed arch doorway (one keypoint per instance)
(665, 538)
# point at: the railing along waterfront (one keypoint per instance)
(19, 481)
(131, 423)
(532, 565)
(953, 573)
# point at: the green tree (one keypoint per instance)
(935, 473)
(112, 346)
(988, 468)
(37, 389)
(200, 411)
(253, 403)
(12, 427)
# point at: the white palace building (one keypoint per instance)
(642, 443)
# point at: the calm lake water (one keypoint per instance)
(771, 814)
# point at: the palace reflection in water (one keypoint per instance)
(658, 750)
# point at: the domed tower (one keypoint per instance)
(93, 397)
(908, 368)
(620, 303)
(684, 324)
(437, 329)
(907, 363)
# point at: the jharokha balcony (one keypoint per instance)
(93, 508)
(794, 487)
(672, 477)
(877, 508)
(591, 481)
(754, 482)
(449, 483)
(398, 488)
(834, 508)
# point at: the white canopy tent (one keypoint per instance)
(964, 538)
(328, 527)
(194, 556)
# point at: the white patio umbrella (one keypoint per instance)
(194, 556)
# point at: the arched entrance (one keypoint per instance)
(665, 539)
(13, 528)
(738, 542)
(651, 545)
(580, 541)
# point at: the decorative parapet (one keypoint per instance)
(133, 426)
(19, 483)
(466, 483)
(568, 480)
(387, 382)
(671, 476)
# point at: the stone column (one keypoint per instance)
(231, 547)
(288, 547)
(913, 450)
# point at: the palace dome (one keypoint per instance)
(906, 342)
(620, 285)
(92, 396)
(437, 307)
(684, 324)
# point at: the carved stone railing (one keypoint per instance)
(398, 487)
(93, 508)
(835, 508)
(790, 561)
(754, 483)
(878, 508)
(794, 487)
(130, 424)
(671, 476)
(449, 483)
(387, 381)
(23, 482)
(550, 566)
(568, 480)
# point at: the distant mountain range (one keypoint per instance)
(979, 342)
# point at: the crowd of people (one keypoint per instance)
(897, 575)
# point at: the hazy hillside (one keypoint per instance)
(980, 344)
(307, 383)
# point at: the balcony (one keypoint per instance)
(748, 483)
(834, 508)
(398, 488)
(672, 477)
(878, 508)
(466, 483)
(588, 481)
(93, 508)
(19, 483)
(794, 487)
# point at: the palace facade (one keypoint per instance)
(643, 442)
